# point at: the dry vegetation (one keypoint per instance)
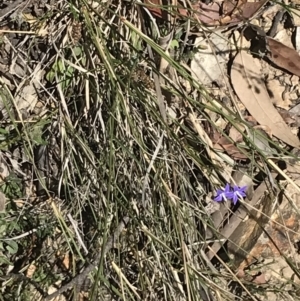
(112, 147)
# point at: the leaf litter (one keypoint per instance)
(249, 84)
(251, 90)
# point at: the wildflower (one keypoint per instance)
(223, 194)
(237, 193)
(231, 193)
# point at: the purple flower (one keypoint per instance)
(237, 193)
(223, 194)
(229, 193)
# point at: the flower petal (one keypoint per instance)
(234, 199)
(218, 198)
(227, 188)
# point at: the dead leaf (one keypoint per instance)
(251, 90)
(208, 14)
(223, 143)
(240, 11)
(283, 56)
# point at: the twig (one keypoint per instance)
(81, 277)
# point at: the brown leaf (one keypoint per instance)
(251, 90)
(241, 10)
(283, 56)
(208, 13)
(223, 143)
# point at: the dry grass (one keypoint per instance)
(104, 145)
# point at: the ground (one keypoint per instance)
(149, 150)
